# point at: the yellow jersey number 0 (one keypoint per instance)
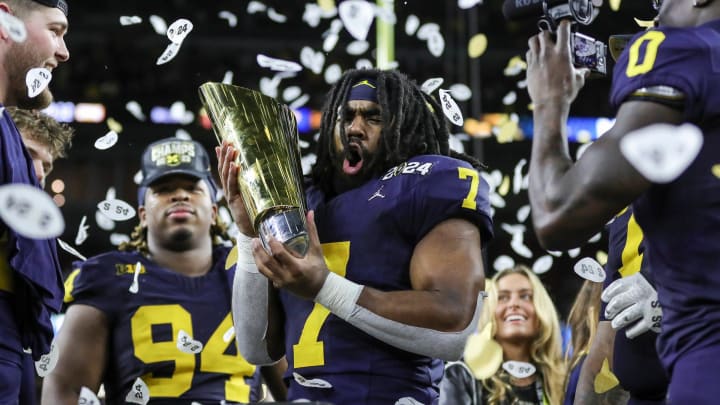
(652, 41)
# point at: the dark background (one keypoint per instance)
(113, 64)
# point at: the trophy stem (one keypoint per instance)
(288, 227)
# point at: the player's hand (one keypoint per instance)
(632, 299)
(551, 76)
(304, 276)
(229, 172)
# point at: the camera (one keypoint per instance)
(587, 52)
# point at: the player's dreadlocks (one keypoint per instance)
(414, 124)
(138, 237)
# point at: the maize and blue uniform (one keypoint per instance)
(681, 219)
(368, 235)
(144, 329)
(30, 275)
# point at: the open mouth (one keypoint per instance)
(353, 161)
(515, 318)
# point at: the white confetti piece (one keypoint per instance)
(662, 152)
(425, 30)
(135, 286)
(330, 41)
(574, 252)
(88, 397)
(66, 247)
(357, 47)
(522, 84)
(256, 7)
(357, 17)
(307, 162)
(37, 80)
(186, 344)
(47, 362)
(466, 4)
(168, 54)
(363, 64)
(460, 92)
(312, 60)
(518, 178)
(450, 108)
(515, 66)
(130, 20)
(275, 16)
(411, 24)
(106, 141)
(595, 238)
(589, 269)
(291, 93)
(228, 77)
(179, 30)
(301, 101)
(503, 262)
(279, 65)
(180, 113)
(139, 394)
(312, 14)
(312, 383)
(229, 334)
(117, 210)
(436, 44)
(14, 27)
(519, 369)
(385, 14)
(523, 213)
(269, 87)
(510, 98)
(82, 234)
(182, 134)
(134, 108)
(332, 73)
(408, 401)
(138, 177)
(432, 84)
(30, 212)
(104, 222)
(230, 17)
(159, 25)
(519, 247)
(542, 265)
(116, 239)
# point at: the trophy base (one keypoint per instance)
(288, 227)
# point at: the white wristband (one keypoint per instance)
(339, 295)
(245, 259)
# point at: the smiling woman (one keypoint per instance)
(516, 358)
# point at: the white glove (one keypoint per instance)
(633, 299)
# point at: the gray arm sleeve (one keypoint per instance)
(250, 307)
(448, 346)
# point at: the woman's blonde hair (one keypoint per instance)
(546, 348)
(583, 320)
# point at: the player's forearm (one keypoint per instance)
(56, 393)
(615, 396)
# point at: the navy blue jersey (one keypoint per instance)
(368, 235)
(144, 329)
(635, 361)
(681, 220)
(29, 268)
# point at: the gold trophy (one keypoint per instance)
(265, 134)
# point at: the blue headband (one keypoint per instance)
(365, 89)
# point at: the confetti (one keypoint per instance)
(291, 93)
(411, 24)
(30, 212)
(180, 114)
(139, 394)
(430, 85)
(425, 30)
(82, 231)
(436, 44)
(615, 5)
(66, 247)
(357, 16)
(14, 26)
(186, 344)
(179, 30)
(134, 108)
(332, 73)
(510, 98)
(518, 178)
(312, 60)
(477, 45)
(589, 269)
(168, 54)
(327, 5)
(256, 7)
(116, 239)
(275, 16)
(363, 64)
(644, 23)
(37, 80)
(113, 125)
(519, 369)
(230, 17)
(450, 108)
(503, 262)
(47, 362)
(229, 334)
(515, 66)
(523, 213)
(574, 252)
(357, 47)
(117, 210)
(315, 382)
(104, 222)
(182, 134)
(461, 92)
(385, 14)
(106, 141)
(135, 286)
(269, 87)
(158, 24)
(277, 64)
(662, 152)
(301, 101)
(542, 265)
(330, 42)
(130, 20)
(88, 397)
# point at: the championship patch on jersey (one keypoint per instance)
(172, 153)
(127, 268)
(409, 168)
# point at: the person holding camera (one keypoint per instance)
(667, 75)
(390, 284)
